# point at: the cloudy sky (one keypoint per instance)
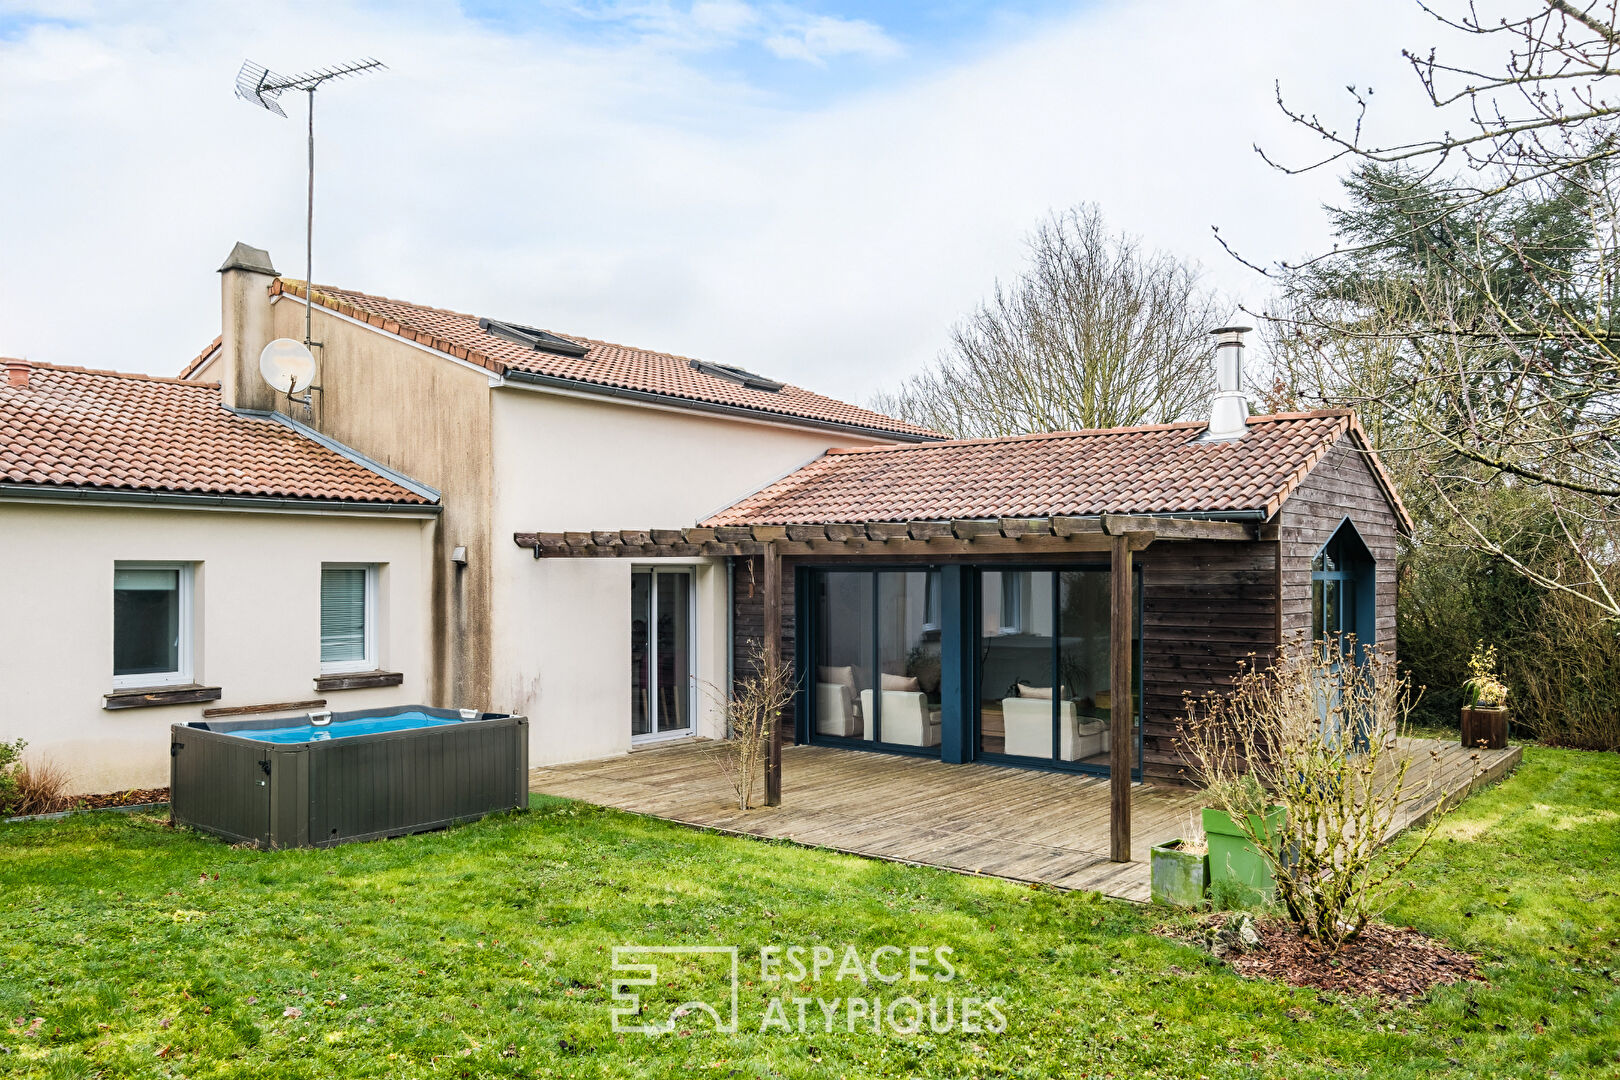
(814, 190)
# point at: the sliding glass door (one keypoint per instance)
(661, 685)
(875, 652)
(1028, 664)
(1043, 668)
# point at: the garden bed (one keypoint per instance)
(132, 799)
(1391, 962)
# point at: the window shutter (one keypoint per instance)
(343, 614)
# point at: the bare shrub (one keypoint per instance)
(1321, 734)
(753, 708)
(1568, 678)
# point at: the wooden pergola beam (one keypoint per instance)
(1171, 528)
(772, 631)
(960, 536)
(1121, 707)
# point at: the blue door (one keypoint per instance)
(1343, 577)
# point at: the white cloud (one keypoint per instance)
(820, 37)
(731, 18)
(631, 190)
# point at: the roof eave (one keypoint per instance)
(516, 375)
(67, 493)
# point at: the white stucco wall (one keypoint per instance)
(562, 626)
(256, 631)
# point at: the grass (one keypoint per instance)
(485, 952)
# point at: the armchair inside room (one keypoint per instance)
(1028, 721)
(907, 717)
(835, 711)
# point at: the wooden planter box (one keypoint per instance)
(1484, 727)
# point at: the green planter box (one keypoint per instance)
(1179, 877)
(1233, 858)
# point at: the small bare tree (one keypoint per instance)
(1094, 333)
(753, 708)
(1321, 734)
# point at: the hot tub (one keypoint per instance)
(311, 781)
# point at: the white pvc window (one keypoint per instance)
(152, 621)
(348, 618)
(1012, 601)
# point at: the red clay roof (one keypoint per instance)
(74, 427)
(1161, 469)
(201, 358)
(605, 364)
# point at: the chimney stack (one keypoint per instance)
(17, 373)
(1229, 409)
(246, 326)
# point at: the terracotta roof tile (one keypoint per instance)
(1141, 470)
(201, 358)
(102, 429)
(604, 364)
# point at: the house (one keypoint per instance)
(1046, 601)
(518, 428)
(167, 558)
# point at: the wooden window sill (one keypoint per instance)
(357, 680)
(153, 696)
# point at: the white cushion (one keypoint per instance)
(835, 711)
(907, 720)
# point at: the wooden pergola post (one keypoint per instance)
(1122, 710)
(773, 652)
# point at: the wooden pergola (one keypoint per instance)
(1119, 535)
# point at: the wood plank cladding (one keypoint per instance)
(1342, 486)
(1205, 608)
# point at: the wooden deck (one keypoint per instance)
(1019, 824)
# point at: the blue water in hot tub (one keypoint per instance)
(338, 729)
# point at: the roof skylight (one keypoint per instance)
(738, 375)
(539, 340)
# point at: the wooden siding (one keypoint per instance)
(1205, 608)
(748, 617)
(1342, 486)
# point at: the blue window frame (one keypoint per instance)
(895, 659)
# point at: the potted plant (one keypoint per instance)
(1485, 698)
(1180, 870)
(1233, 856)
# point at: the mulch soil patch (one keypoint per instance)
(1396, 963)
(132, 797)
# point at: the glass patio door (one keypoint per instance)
(1044, 668)
(661, 686)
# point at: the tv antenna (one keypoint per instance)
(261, 86)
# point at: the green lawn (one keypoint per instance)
(486, 951)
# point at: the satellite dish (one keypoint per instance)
(287, 365)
